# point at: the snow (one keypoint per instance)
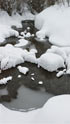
(10, 56)
(27, 34)
(60, 73)
(19, 76)
(58, 50)
(32, 78)
(55, 111)
(51, 61)
(33, 35)
(32, 74)
(22, 42)
(6, 22)
(40, 82)
(28, 28)
(5, 80)
(30, 56)
(54, 22)
(23, 70)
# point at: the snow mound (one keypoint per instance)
(5, 80)
(23, 70)
(58, 110)
(55, 111)
(58, 50)
(6, 23)
(54, 22)
(30, 56)
(10, 56)
(51, 61)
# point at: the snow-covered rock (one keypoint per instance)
(5, 80)
(6, 22)
(60, 73)
(51, 61)
(58, 51)
(23, 70)
(19, 76)
(10, 56)
(40, 82)
(54, 22)
(30, 57)
(22, 42)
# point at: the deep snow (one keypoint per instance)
(53, 22)
(6, 22)
(55, 111)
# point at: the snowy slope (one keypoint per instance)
(55, 111)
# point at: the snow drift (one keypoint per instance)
(54, 22)
(55, 111)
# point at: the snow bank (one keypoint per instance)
(11, 56)
(55, 111)
(54, 58)
(54, 22)
(51, 61)
(23, 70)
(6, 22)
(5, 80)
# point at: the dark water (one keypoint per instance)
(25, 94)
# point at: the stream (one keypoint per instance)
(24, 94)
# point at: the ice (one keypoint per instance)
(23, 70)
(51, 61)
(5, 80)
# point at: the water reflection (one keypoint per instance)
(28, 99)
